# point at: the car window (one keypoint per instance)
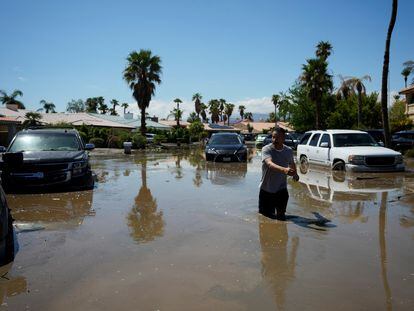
(45, 142)
(314, 140)
(325, 139)
(353, 139)
(225, 140)
(305, 139)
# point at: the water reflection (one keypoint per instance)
(278, 262)
(383, 248)
(52, 210)
(144, 221)
(225, 173)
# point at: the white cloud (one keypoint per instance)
(22, 79)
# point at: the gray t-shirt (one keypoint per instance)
(273, 181)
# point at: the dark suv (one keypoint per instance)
(39, 158)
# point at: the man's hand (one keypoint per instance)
(290, 171)
(296, 177)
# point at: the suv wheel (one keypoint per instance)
(338, 166)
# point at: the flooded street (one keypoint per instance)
(168, 231)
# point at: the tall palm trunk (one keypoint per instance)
(385, 68)
(143, 126)
(405, 82)
(318, 114)
(359, 109)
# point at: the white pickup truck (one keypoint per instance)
(348, 150)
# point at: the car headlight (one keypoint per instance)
(78, 167)
(211, 151)
(356, 159)
(399, 159)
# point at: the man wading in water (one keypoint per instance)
(277, 163)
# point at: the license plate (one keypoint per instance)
(226, 159)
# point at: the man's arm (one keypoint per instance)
(285, 170)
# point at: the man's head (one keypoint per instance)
(278, 136)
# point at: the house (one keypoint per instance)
(260, 127)
(8, 128)
(409, 101)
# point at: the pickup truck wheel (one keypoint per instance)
(304, 164)
(338, 166)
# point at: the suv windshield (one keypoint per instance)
(353, 139)
(45, 142)
(225, 140)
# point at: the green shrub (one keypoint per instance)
(138, 141)
(83, 136)
(159, 138)
(97, 141)
(114, 142)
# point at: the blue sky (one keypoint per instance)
(243, 51)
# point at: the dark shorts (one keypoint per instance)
(271, 202)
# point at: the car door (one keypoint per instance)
(323, 149)
(313, 147)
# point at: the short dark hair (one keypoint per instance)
(279, 130)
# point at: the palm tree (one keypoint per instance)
(125, 106)
(91, 105)
(32, 119)
(323, 50)
(249, 116)
(228, 111)
(241, 110)
(408, 69)
(351, 86)
(197, 103)
(48, 107)
(177, 112)
(114, 103)
(203, 108)
(317, 81)
(214, 107)
(222, 102)
(276, 102)
(11, 99)
(103, 108)
(142, 73)
(385, 69)
(75, 106)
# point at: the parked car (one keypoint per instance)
(226, 147)
(37, 158)
(378, 135)
(149, 137)
(403, 140)
(259, 140)
(291, 140)
(348, 150)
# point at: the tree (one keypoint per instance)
(228, 111)
(91, 105)
(407, 70)
(193, 117)
(275, 101)
(112, 111)
(203, 108)
(385, 69)
(125, 106)
(177, 112)
(103, 108)
(214, 107)
(32, 119)
(284, 106)
(11, 99)
(399, 121)
(197, 103)
(353, 85)
(316, 79)
(196, 129)
(249, 116)
(48, 107)
(75, 106)
(142, 73)
(222, 102)
(241, 111)
(272, 117)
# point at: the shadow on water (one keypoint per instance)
(144, 221)
(319, 221)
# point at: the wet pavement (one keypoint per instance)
(168, 231)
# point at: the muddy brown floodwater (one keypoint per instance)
(168, 231)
